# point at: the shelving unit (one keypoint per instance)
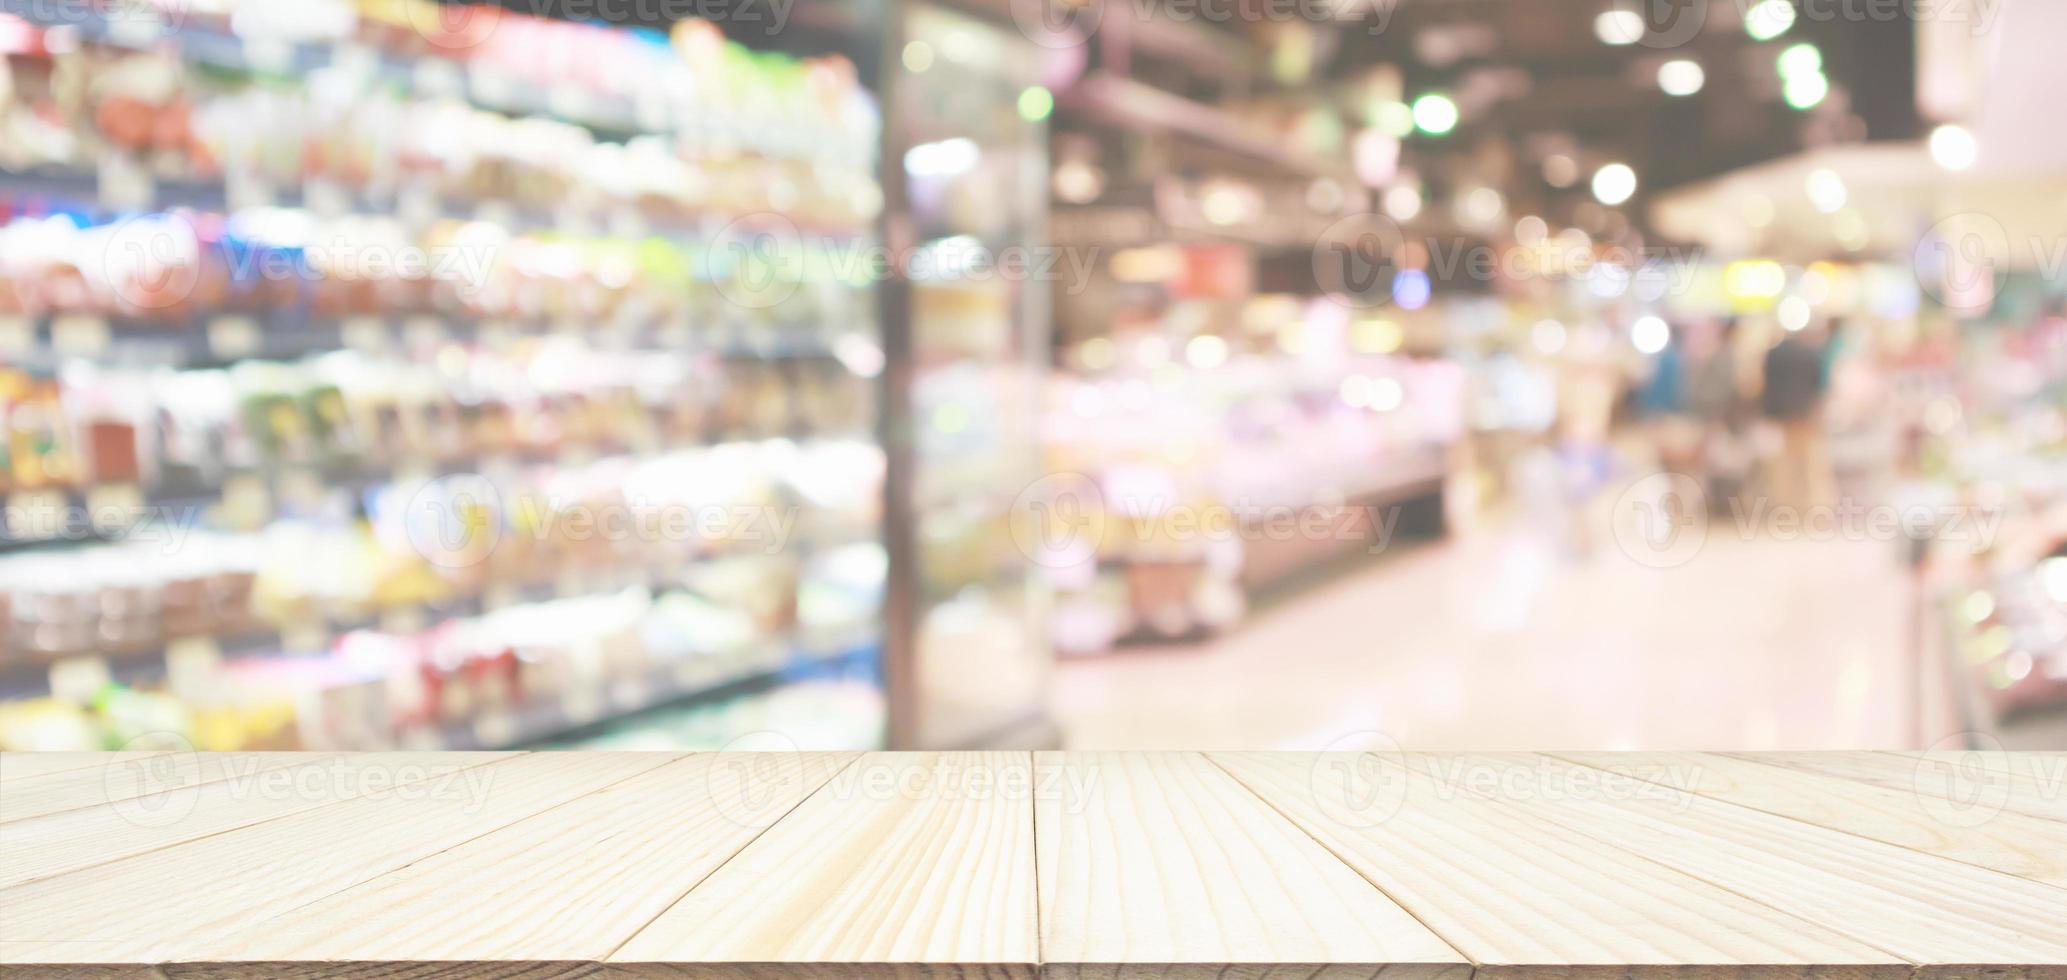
(670, 342)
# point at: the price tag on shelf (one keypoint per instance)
(125, 185)
(417, 203)
(436, 77)
(309, 634)
(232, 337)
(366, 334)
(500, 596)
(246, 503)
(582, 704)
(78, 679)
(403, 620)
(193, 666)
(653, 110)
(424, 330)
(17, 336)
(571, 102)
(490, 85)
(326, 198)
(354, 60)
(115, 507)
(499, 213)
(269, 55)
(38, 515)
(495, 728)
(627, 222)
(80, 335)
(244, 190)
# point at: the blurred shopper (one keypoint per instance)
(1663, 402)
(1796, 378)
(1715, 400)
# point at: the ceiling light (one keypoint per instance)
(1618, 28)
(1614, 184)
(1681, 77)
(1954, 147)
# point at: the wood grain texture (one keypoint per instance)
(1008, 866)
(1526, 898)
(253, 791)
(1944, 916)
(2033, 783)
(153, 779)
(571, 883)
(904, 865)
(154, 907)
(25, 765)
(1987, 837)
(1162, 865)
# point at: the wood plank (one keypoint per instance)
(131, 776)
(2029, 782)
(2014, 843)
(27, 765)
(1520, 896)
(568, 885)
(251, 790)
(1961, 793)
(149, 909)
(1162, 865)
(905, 865)
(1945, 916)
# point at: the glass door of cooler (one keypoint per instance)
(967, 322)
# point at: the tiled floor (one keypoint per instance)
(1498, 640)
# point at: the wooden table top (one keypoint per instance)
(1241, 866)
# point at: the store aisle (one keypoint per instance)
(1495, 642)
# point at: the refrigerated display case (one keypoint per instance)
(967, 338)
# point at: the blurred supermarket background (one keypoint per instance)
(1094, 373)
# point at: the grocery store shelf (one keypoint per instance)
(671, 686)
(1013, 864)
